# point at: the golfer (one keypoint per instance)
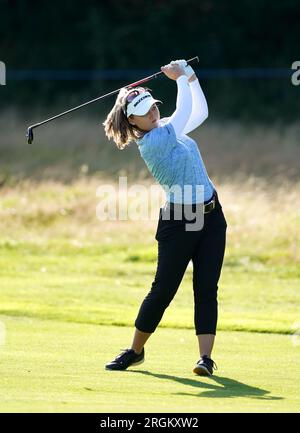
(174, 160)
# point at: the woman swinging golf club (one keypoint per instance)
(174, 159)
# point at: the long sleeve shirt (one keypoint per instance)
(172, 157)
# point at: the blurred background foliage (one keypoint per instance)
(61, 53)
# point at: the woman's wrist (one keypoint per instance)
(193, 78)
(173, 71)
(179, 75)
(182, 77)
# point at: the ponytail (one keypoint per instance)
(117, 126)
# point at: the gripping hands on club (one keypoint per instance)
(172, 71)
(188, 70)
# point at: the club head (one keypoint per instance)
(29, 135)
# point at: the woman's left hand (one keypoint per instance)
(188, 70)
(173, 71)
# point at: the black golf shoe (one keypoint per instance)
(127, 358)
(205, 366)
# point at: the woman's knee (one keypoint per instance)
(160, 297)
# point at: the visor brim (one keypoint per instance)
(140, 108)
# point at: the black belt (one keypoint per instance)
(207, 206)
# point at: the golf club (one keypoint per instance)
(29, 133)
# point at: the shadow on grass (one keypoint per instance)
(222, 388)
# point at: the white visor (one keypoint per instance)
(141, 104)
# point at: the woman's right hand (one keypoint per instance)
(173, 71)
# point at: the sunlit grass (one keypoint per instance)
(71, 285)
(59, 261)
(54, 366)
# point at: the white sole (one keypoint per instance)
(201, 371)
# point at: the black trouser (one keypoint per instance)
(176, 247)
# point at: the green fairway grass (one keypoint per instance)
(57, 280)
(71, 287)
(53, 366)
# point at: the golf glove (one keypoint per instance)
(188, 70)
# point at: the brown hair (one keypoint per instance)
(117, 126)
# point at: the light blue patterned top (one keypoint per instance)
(176, 161)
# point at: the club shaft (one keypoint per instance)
(144, 80)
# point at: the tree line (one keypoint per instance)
(254, 37)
